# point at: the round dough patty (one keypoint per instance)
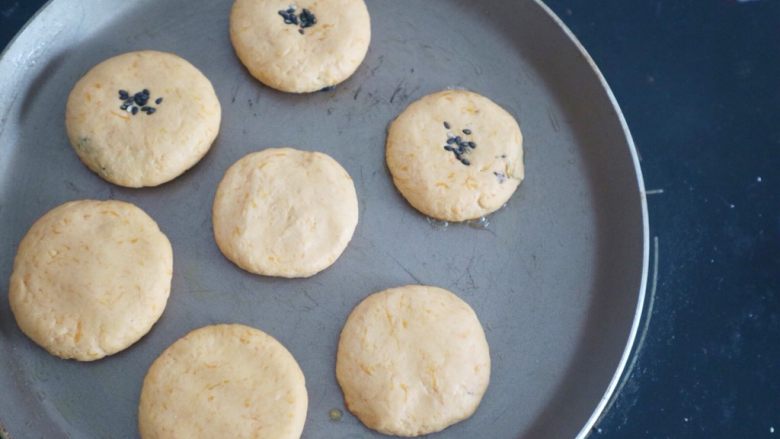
(455, 155)
(133, 148)
(90, 278)
(223, 381)
(285, 212)
(412, 360)
(300, 46)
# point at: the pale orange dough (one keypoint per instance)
(223, 381)
(282, 57)
(412, 360)
(90, 278)
(432, 179)
(142, 149)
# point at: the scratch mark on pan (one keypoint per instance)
(379, 64)
(553, 120)
(654, 192)
(357, 93)
(501, 414)
(308, 296)
(403, 267)
(397, 90)
(234, 94)
(467, 272)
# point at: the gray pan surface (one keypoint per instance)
(557, 277)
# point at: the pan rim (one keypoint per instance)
(622, 371)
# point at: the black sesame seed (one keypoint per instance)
(158, 101)
(308, 19)
(300, 31)
(135, 110)
(150, 110)
(141, 99)
(145, 108)
(146, 92)
(124, 106)
(289, 16)
(123, 94)
(458, 146)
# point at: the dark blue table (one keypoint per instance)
(699, 83)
